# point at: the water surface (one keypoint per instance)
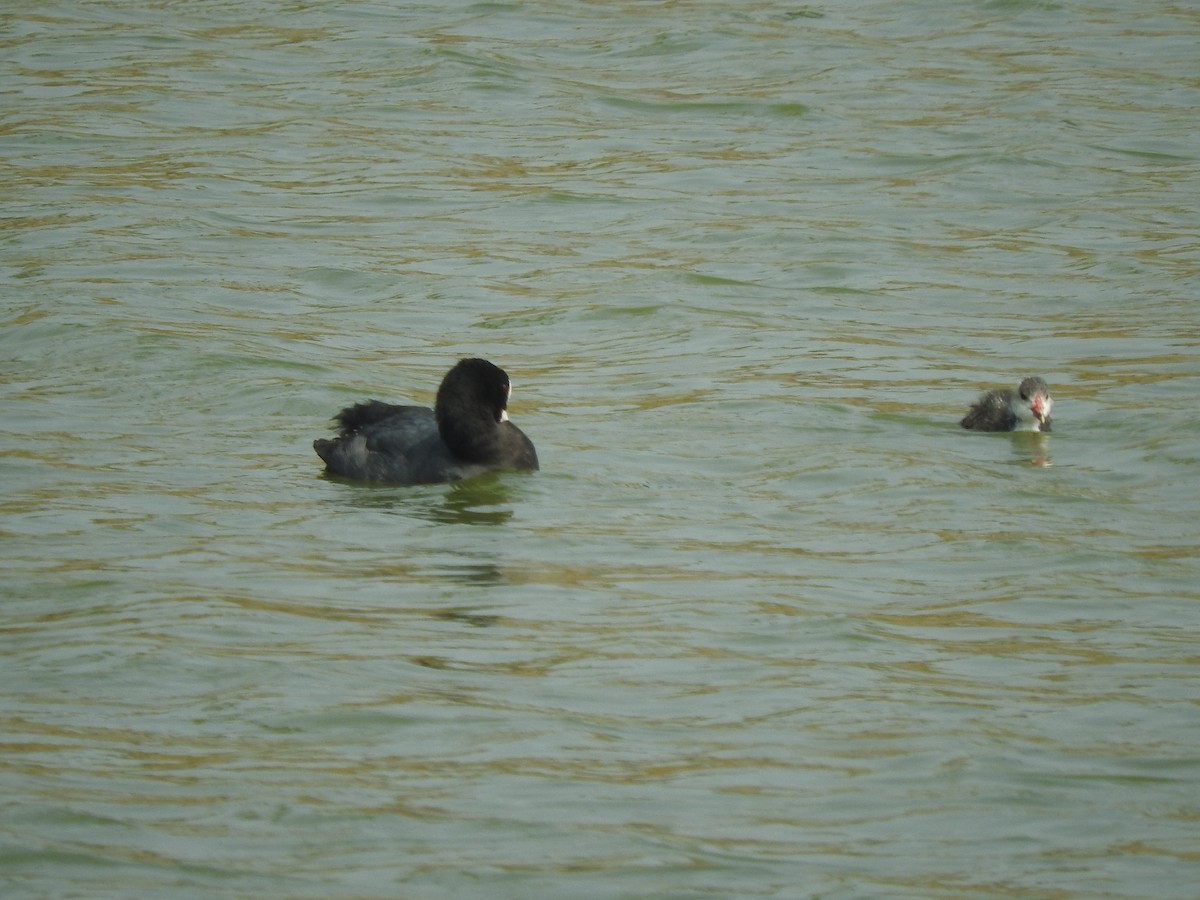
(767, 623)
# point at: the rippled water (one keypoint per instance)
(767, 623)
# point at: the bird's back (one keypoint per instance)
(992, 412)
(388, 443)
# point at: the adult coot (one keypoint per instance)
(466, 434)
(1003, 409)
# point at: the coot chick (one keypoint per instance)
(1003, 409)
(466, 434)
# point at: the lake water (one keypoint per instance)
(767, 623)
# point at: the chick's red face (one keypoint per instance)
(1041, 407)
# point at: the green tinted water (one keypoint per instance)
(767, 623)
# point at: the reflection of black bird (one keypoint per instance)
(466, 434)
(1003, 409)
